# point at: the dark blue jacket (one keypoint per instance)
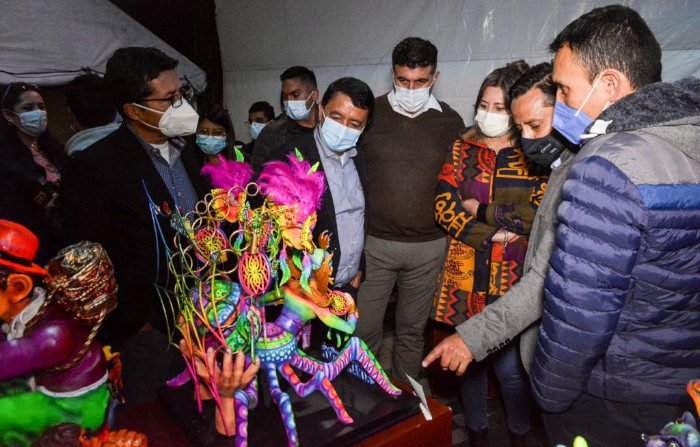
(621, 316)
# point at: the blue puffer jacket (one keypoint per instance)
(621, 315)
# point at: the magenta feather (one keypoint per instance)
(291, 183)
(227, 174)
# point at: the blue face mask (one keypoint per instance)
(337, 137)
(211, 145)
(571, 123)
(33, 123)
(297, 110)
(256, 128)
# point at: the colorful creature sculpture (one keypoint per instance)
(222, 314)
(682, 432)
(50, 336)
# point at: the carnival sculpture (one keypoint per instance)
(52, 371)
(270, 251)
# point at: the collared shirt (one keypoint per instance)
(349, 203)
(431, 104)
(172, 171)
(87, 137)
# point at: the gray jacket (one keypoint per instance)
(519, 310)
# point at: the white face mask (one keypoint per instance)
(176, 121)
(492, 124)
(297, 110)
(338, 137)
(414, 100)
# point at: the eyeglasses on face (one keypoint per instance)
(175, 100)
(213, 133)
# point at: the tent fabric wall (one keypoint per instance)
(49, 41)
(260, 39)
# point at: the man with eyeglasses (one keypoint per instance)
(106, 190)
(299, 97)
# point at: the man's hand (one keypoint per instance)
(471, 205)
(454, 354)
(356, 280)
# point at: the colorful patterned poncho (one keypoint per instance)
(477, 271)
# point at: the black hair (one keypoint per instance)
(359, 92)
(264, 107)
(90, 101)
(613, 37)
(129, 71)
(13, 91)
(539, 76)
(306, 76)
(415, 52)
(503, 78)
(218, 115)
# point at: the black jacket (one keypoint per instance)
(326, 215)
(24, 190)
(105, 201)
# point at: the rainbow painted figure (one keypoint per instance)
(288, 266)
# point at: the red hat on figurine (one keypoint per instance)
(18, 247)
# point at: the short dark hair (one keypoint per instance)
(415, 52)
(90, 101)
(218, 115)
(129, 71)
(264, 107)
(359, 92)
(539, 76)
(613, 37)
(306, 76)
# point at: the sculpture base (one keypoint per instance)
(317, 424)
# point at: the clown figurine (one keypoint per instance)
(51, 369)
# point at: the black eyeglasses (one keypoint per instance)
(21, 86)
(175, 100)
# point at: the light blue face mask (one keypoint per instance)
(255, 129)
(33, 123)
(297, 110)
(211, 145)
(571, 123)
(337, 137)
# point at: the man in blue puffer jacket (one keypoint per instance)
(620, 333)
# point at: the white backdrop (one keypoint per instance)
(46, 41)
(334, 38)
